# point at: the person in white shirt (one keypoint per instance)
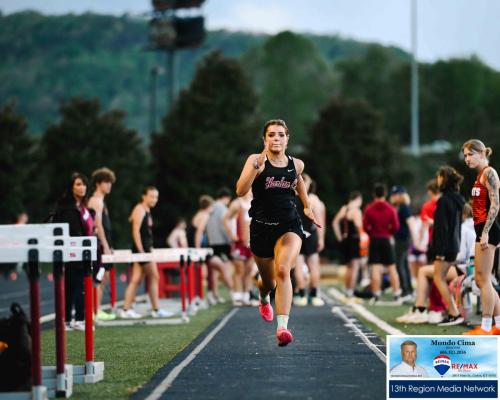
(407, 367)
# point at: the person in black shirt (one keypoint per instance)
(142, 236)
(403, 238)
(72, 208)
(276, 230)
(446, 236)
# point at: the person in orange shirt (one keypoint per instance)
(485, 206)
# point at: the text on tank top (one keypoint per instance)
(274, 192)
(480, 200)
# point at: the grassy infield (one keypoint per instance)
(131, 355)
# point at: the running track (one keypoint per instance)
(327, 360)
(18, 291)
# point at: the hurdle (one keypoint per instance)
(24, 239)
(193, 258)
(30, 254)
(182, 257)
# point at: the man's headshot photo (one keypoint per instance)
(408, 366)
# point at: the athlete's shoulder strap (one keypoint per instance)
(482, 172)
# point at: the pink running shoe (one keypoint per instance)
(284, 337)
(266, 312)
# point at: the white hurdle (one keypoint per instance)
(34, 243)
(184, 257)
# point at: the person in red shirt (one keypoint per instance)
(380, 222)
(427, 215)
(485, 206)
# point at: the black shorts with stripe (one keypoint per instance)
(264, 235)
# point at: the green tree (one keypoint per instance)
(16, 152)
(86, 139)
(292, 79)
(205, 138)
(349, 150)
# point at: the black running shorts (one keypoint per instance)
(349, 248)
(223, 251)
(264, 235)
(493, 235)
(310, 244)
(381, 252)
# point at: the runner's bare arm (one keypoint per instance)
(336, 223)
(250, 172)
(492, 184)
(302, 193)
(231, 213)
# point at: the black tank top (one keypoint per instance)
(349, 230)
(106, 224)
(146, 232)
(307, 224)
(190, 233)
(274, 192)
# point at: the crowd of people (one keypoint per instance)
(266, 241)
(422, 257)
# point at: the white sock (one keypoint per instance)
(377, 294)
(349, 292)
(264, 300)
(282, 321)
(497, 321)
(486, 323)
(236, 296)
(398, 292)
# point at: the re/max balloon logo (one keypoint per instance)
(442, 364)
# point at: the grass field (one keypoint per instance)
(390, 313)
(131, 355)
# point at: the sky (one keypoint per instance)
(446, 28)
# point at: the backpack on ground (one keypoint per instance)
(15, 351)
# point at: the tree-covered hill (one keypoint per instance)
(49, 59)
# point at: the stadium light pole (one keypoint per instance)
(171, 78)
(415, 147)
(155, 71)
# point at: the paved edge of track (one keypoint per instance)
(182, 359)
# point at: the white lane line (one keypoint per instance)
(167, 382)
(349, 322)
(369, 316)
(379, 353)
